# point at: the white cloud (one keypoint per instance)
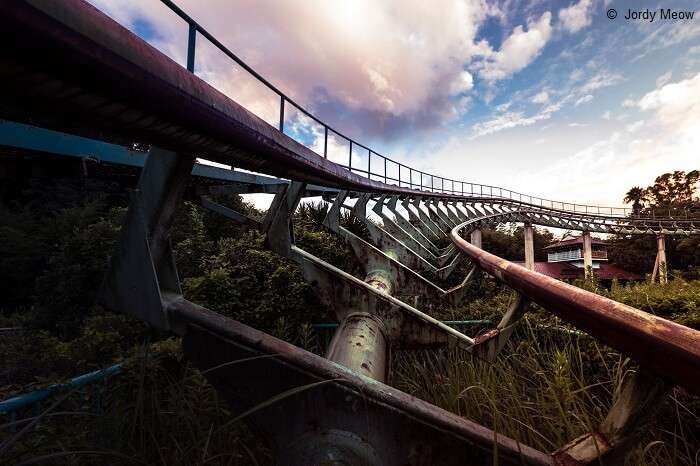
(664, 78)
(607, 115)
(518, 50)
(634, 127)
(387, 64)
(665, 35)
(540, 98)
(629, 103)
(512, 120)
(576, 75)
(665, 141)
(464, 83)
(503, 107)
(676, 107)
(600, 80)
(584, 100)
(577, 16)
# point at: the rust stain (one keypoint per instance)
(486, 336)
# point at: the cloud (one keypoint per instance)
(607, 115)
(584, 100)
(577, 16)
(665, 140)
(633, 127)
(386, 67)
(504, 107)
(518, 50)
(664, 78)
(600, 80)
(512, 120)
(676, 107)
(463, 84)
(540, 98)
(661, 36)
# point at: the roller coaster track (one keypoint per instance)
(68, 67)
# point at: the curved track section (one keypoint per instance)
(134, 92)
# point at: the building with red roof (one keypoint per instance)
(565, 261)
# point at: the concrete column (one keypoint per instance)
(529, 234)
(360, 344)
(587, 254)
(661, 258)
(476, 238)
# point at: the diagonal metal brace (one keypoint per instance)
(142, 276)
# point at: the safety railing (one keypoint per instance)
(559, 256)
(405, 176)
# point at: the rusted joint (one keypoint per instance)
(378, 284)
(486, 336)
(583, 450)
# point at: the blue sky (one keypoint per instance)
(551, 98)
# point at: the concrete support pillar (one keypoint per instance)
(360, 344)
(476, 238)
(529, 234)
(587, 254)
(661, 258)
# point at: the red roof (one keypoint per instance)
(572, 241)
(567, 271)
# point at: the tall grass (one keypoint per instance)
(161, 411)
(545, 389)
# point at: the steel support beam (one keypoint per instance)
(476, 238)
(142, 276)
(660, 265)
(587, 254)
(528, 234)
(636, 404)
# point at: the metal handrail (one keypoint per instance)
(464, 188)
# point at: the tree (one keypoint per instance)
(674, 191)
(637, 196)
(508, 242)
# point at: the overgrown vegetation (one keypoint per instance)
(549, 388)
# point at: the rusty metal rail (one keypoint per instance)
(669, 349)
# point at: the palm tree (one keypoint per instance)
(637, 196)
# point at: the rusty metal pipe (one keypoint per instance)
(669, 349)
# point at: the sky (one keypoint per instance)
(549, 98)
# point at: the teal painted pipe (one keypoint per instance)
(330, 325)
(28, 399)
